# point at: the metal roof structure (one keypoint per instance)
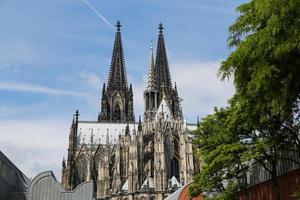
(45, 187)
(12, 181)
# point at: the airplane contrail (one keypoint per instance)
(99, 14)
(104, 19)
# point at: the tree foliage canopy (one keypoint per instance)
(222, 156)
(262, 119)
(266, 61)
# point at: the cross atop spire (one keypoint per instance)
(161, 28)
(118, 25)
(117, 97)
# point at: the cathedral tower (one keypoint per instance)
(117, 97)
(159, 85)
(148, 160)
(162, 71)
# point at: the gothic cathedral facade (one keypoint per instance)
(149, 159)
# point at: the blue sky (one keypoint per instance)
(55, 56)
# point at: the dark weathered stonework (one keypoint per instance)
(117, 97)
(159, 83)
(147, 160)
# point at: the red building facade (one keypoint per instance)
(289, 183)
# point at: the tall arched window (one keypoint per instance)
(117, 113)
(81, 169)
(175, 168)
(108, 112)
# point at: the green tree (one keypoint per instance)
(266, 61)
(222, 157)
(228, 141)
(265, 140)
(261, 123)
(265, 66)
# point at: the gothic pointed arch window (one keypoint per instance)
(176, 147)
(98, 163)
(175, 160)
(81, 169)
(175, 168)
(108, 112)
(117, 113)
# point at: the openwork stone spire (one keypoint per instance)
(117, 76)
(159, 85)
(117, 98)
(151, 75)
(163, 76)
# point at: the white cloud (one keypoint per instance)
(37, 133)
(197, 85)
(94, 82)
(138, 99)
(23, 87)
(35, 146)
(12, 110)
(17, 51)
(33, 160)
(200, 88)
(92, 79)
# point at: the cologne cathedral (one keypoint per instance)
(148, 159)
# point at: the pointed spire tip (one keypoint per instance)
(161, 28)
(118, 25)
(151, 45)
(151, 74)
(117, 79)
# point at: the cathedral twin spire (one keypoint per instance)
(159, 72)
(117, 97)
(163, 77)
(117, 75)
(159, 84)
